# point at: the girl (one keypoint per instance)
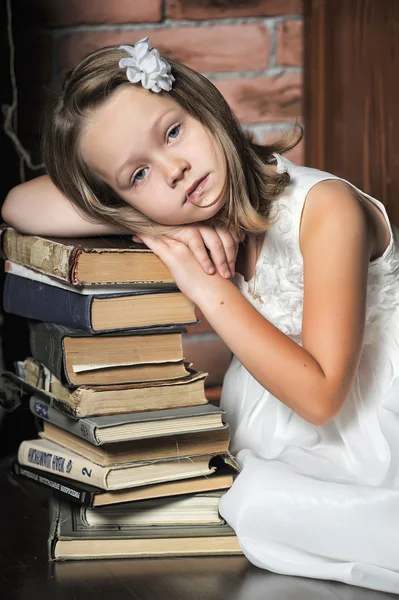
(138, 144)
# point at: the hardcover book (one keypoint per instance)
(88, 289)
(96, 313)
(214, 441)
(132, 426)
(76, 357)
(193, 509)
(176, 573)
(85, 261)
(71, 539)
(85, 401)
(89, 495)
(52, 458)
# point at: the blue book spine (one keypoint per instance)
(42, 302)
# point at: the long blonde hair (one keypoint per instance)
(252, 182)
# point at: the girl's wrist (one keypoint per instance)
(211, 293)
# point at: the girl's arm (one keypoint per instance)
(38, 207)
(313, 380)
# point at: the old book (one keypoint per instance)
(170, 577)
(71, 539)
(96, 313)
(89, 289)
(75, 357)
(52, 458)
(132, 426)
(85, 261)
(193, 509)
(85, 401)
(89, 495)
(215, 441)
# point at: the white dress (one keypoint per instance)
(318, 501)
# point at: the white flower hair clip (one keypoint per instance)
(146, 65)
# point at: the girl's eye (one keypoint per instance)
(174, 132)
(139, 175)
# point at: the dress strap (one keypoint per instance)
(281, 166)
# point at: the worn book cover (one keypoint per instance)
(173, 576)
(71, 539)
(89, 495)
(132, 426)
(190, 509)
(96, 313)
(85, 401)
(213, 441)
(89, 289)
(85, 261)
(52, 458)
(76, 357)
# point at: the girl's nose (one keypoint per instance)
(175, 170)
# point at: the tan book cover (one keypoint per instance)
(215, 441)
(52, 458)
(76, 357)
(85, 401)
(85, 261)
(71, 539)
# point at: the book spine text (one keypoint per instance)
(82, 427)
(67, 489)
(61, 462)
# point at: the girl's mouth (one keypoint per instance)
(195, 190)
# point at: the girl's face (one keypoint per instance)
(156, 157)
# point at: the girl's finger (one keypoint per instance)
(215, 245)
(167, 249)
(230, 245)
(196, 244)
(156, 244)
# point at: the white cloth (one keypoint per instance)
(318, 501)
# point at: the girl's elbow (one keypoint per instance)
(8, 208)
(18, 211)
(324, 411)
(320, 418)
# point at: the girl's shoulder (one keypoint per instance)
(315, 193)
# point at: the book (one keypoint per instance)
(132, 426)
(85, 261)
(89, 495)
(84, 401)
(169, 577)
(193, 509)
(96, 313)
(88, 289)
(171, 446)
(52, 458)
(71, 539)
(76, 357)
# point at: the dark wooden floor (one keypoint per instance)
(25, 573)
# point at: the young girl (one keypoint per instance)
(137, 144)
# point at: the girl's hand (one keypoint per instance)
(222, 245)
(187, 272)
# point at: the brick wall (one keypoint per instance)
(250, 49)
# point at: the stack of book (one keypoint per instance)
(137, 456)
